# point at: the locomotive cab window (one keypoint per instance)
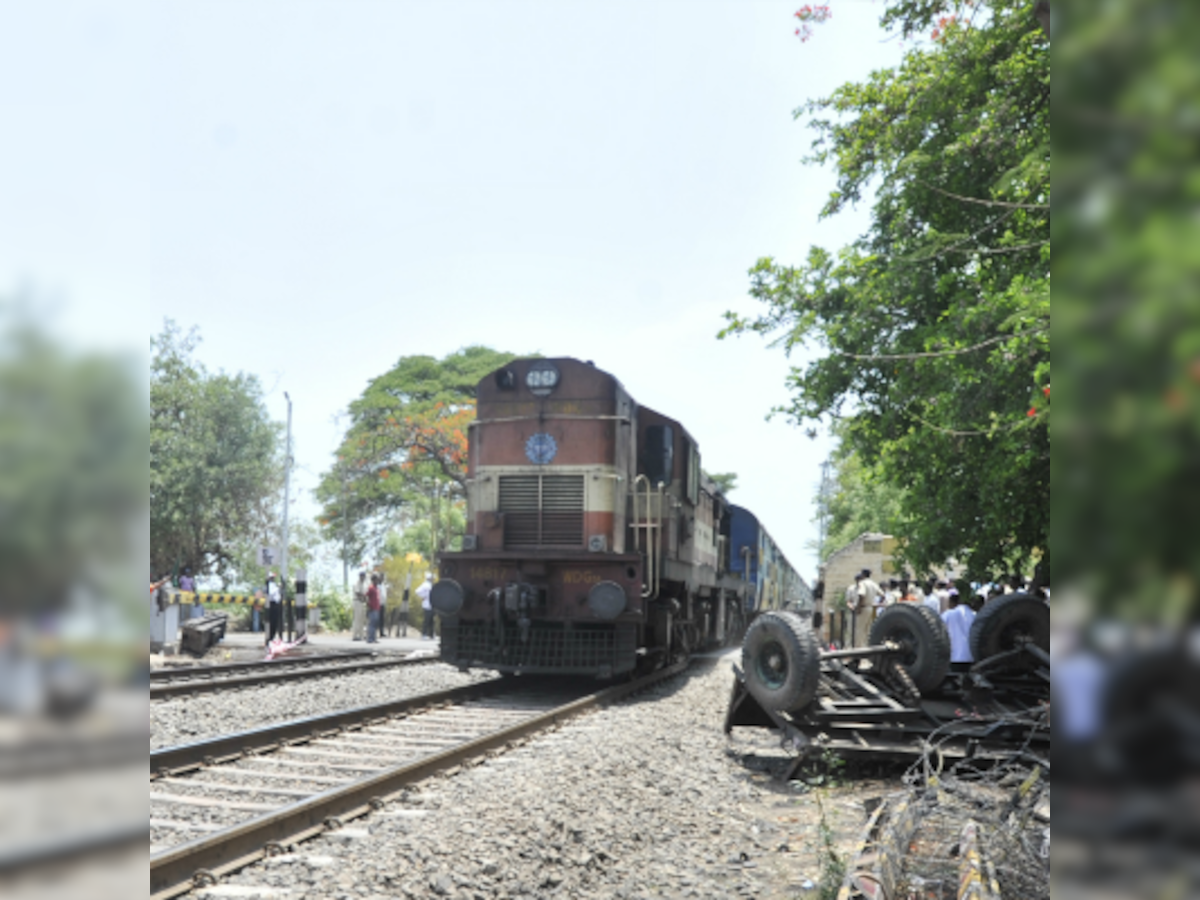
(659, 456)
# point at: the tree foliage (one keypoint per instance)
(1127, 441)
(406, 447)
(216, 467)
(859, 500)
(72, 487)
(726, 482)
(935, 323)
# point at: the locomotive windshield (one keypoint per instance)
(659, 458)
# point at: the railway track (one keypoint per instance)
(221, 804)
(71, 787)
(166, 683)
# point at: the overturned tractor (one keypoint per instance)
(898, 695)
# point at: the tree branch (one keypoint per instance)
(885, 357)
(972, 433)
(999, 203)
(988, 227)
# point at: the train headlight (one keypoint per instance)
(446, 597)
(542, 378)
(607, 599)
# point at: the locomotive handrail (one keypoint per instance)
(653, 564)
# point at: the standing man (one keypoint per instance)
(387, 606)
(274, 609)
(818, 613)
(358, 625)
(374, 610)
(881, 601)
(301, 600)
(852, 605)
(942, 591)
(868, 593)
(932, 600)
(404, 603)
(958, 619)
(426, 606)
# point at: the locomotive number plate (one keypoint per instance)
(488, 573)
(580, 576)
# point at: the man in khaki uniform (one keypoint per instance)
(868, 593)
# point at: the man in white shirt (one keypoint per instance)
(942, 592)
(274, 609)
(358, 624)
(958, 619)
(423, 592)
(931, 599)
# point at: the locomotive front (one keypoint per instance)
(544, 582)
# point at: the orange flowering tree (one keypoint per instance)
(404, 454)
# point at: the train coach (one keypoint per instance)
(594, 544)
(774, 584)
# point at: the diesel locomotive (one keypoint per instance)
(595, 544)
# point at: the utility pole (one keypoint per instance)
(433, 523)
(283, 551)
(345, 534)
(823, 496)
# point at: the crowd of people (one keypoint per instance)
(375, 616)
(375, 613)
(865, 599)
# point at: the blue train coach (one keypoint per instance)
(756, 557)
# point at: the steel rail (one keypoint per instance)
(201, 685)
(177, 870)
(169, 672)
(70, 753)
(185, 757)
(71, 846)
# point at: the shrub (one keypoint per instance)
(336, 613)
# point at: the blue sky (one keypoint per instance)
(323, 188)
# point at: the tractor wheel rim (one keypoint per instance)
(771, 664)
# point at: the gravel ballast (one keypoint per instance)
(647, 798)
(182, 720)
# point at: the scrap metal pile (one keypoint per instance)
(962, 833)
(898, 698)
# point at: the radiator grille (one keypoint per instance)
(542, 510)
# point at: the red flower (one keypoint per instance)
(1032, 412)
(1046, 390)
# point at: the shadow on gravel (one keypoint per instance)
(817, 772)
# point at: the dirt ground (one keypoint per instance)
(790, 813)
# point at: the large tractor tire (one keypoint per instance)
(1150, 706)
(923, 637)
(782, 661)
(1004, 622)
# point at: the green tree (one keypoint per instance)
(216, 468)
(72, 487)
(405, 450)
(935, 323)
(1127, 440)
(244, 571)
(726, 482)
(859, 500)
